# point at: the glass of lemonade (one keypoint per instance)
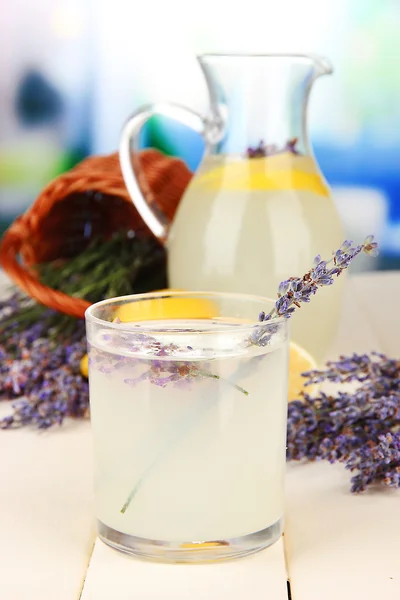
(188, 396)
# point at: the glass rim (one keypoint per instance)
(129, 327)
(322, 63)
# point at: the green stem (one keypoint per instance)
(193, 420)
(213, 376)
(176, 440)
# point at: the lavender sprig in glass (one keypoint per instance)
(295, 291)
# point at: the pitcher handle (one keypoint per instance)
(157, 223)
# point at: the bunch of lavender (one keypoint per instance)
(360, 429)
(38, 372)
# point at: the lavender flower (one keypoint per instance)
(376, 462)
(360, 429)
(263, 150)
(294, 291)
(41, 375)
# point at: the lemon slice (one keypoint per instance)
(281, 172)
(204, 545)
(299, 361)
(84, 366)
(166, 307)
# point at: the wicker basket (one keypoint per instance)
(88, 201)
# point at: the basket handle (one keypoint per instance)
(10, 247)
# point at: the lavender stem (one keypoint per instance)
(235, 385)
(176, 440)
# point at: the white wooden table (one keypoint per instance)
(336, 545)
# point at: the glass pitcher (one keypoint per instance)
(257, 210)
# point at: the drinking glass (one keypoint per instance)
(188, 400)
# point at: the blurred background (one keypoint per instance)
(72, 71)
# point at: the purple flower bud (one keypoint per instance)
(368, 240)
(325, 281)
(370, 247)
(319, 270)
(346, 245)
(283, 287)
(282, 305)
(296, 285)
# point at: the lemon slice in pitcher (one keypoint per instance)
(280, 172)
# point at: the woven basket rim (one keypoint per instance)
(96, 173)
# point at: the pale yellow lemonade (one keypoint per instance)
(189, 459)
(250, 224)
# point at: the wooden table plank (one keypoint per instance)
(46, 512)
(112, 575)
(339, 545)
(47, 528)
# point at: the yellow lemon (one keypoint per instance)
(163, 307)
(281, 172)
(166, 307)
(201, 545)
(84, 366)
(299, 361)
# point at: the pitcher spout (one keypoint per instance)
(260, 98)
(322, 65)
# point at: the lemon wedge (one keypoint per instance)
(84, 365)
(299, 361)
